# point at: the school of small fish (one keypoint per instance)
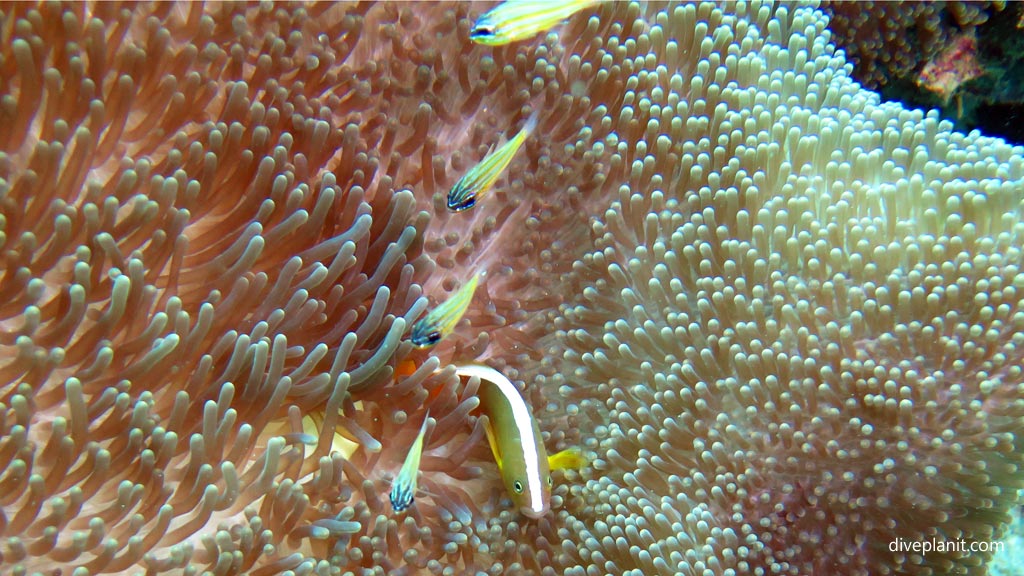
(512, 432)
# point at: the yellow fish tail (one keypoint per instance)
(571, 458)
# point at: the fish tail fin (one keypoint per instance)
(531, 123)
(569, 458)
(480, 276)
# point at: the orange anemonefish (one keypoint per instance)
(516, 442)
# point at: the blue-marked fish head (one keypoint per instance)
(424, 335)
(460, 199)
(484, 31)
(401, 498)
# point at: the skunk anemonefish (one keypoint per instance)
(516, 442)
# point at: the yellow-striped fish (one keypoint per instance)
(478, 181)
(440, 321)
(516, 443)
(516, 20)
(403, 490)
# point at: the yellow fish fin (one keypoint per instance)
(569, 458)
(494, 445)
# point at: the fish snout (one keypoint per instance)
(530, 512)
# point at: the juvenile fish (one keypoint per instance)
(472, 187)
(516, 20)
(440, 321)
(403, 490)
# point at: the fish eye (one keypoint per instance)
(518, 487)
(482, 30)
(425, 340)
(549, 481)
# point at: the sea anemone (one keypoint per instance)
(889, 42)
(779, 315)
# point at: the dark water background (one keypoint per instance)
(891, 43)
